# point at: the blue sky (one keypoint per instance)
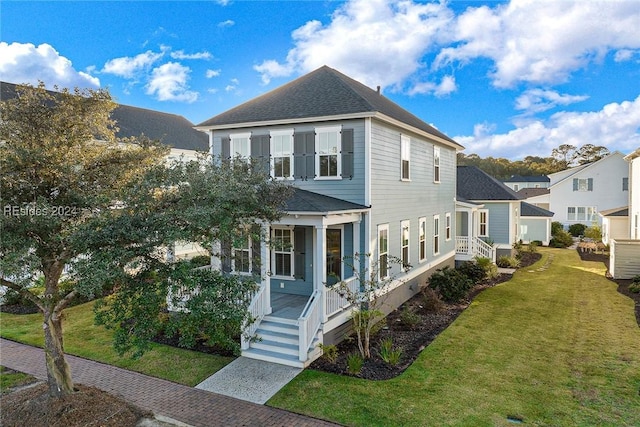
(505, 79)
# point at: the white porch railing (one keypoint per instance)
(257, 309)
(335, 300)
(309, 323)
(474, 247)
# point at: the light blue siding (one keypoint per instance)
(499, 227)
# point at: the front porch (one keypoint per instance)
(471, 223)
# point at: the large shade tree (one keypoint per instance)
(80, 203)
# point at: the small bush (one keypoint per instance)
(636, 279)
(634, 287)
(532, 248)
(594, 233)
(577, 230)
(354, 363)
(409, 319)
(329, 352)
(507, 262)
(490, 269)
(389, 354)
(431, 300)
(472, 270)
(556, 227)
(562, 239)
(452, 285)
(200, 261)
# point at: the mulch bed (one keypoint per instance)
(623, 284)
(411, 337)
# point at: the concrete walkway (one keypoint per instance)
(249, 379)
(188, 405)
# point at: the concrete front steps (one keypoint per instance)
(277, 341)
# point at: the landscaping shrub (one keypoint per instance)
(389, 354)
(329, 352)
(635, 285)
(507, 262)
(409, 319)
(562, 239)
(490, 269)
(354, 363)
(200, 261)
(431, 300)
(452, 284)
(556, 227)
(472, 270)
(577, 230)
(533, 247)
(594, 233)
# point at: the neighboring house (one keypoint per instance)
(624, 254)
(579, 193)
(170, 129)
(369, 178)
(518, 182)
(495, 218)
(615, 224)
(536, 196)
(535, 223)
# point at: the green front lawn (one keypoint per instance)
(83, 338)
(555, 347)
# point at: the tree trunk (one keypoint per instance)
(58, 371)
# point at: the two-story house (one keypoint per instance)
(369, 178)
(518, 182)
(579, 193)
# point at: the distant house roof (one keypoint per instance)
(520, 178)
(474, 184)
(304, 201)
(622, 211)
(525, 193)
(527, 209)
(322, 93)
(170, 129)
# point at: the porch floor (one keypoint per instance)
(287, 306)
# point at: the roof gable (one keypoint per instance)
(564, 176)
(475, 184)
(324, 92)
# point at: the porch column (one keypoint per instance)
(320, 270)
(265, 261)
(356, 244)
(471, 232)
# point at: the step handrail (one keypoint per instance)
(309, 323)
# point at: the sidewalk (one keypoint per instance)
(185, 404)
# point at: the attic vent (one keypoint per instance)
(378, 89)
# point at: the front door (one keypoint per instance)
(334, 255)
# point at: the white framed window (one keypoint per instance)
(328, 147)
(447, 226)
(516, 187)
(436, 164)
(436, 234)
(240, 145)
(282, 154)
(405, 157)
(582, 184)
(483, 223)
(383, 251)
(282, 252)
(404, 244)
(242, 257)
(422, 239)
(582, 213)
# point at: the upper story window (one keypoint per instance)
(282, 154)
(422, 239)
(328, 149)
(383, 251)
(240, 145)
(405, 157)
(436, 164)
(582, 184)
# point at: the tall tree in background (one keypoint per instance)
(564, 154)
(76, 199)
(590, 153)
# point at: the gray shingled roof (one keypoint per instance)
(307, 201)
(520, 178)
(474, 184)
(170, 129)
(323, 92)
(527, 209)
(533, 192)
(622, 211)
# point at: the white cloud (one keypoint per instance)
(378, 42)
(616, 126)
(446, 86)
(213, 73)
(128, 67)
(179, 54)
(538, 100)
(624, 55)
(542, 41)
(227, 23)
(26, 63)
(169, 83)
